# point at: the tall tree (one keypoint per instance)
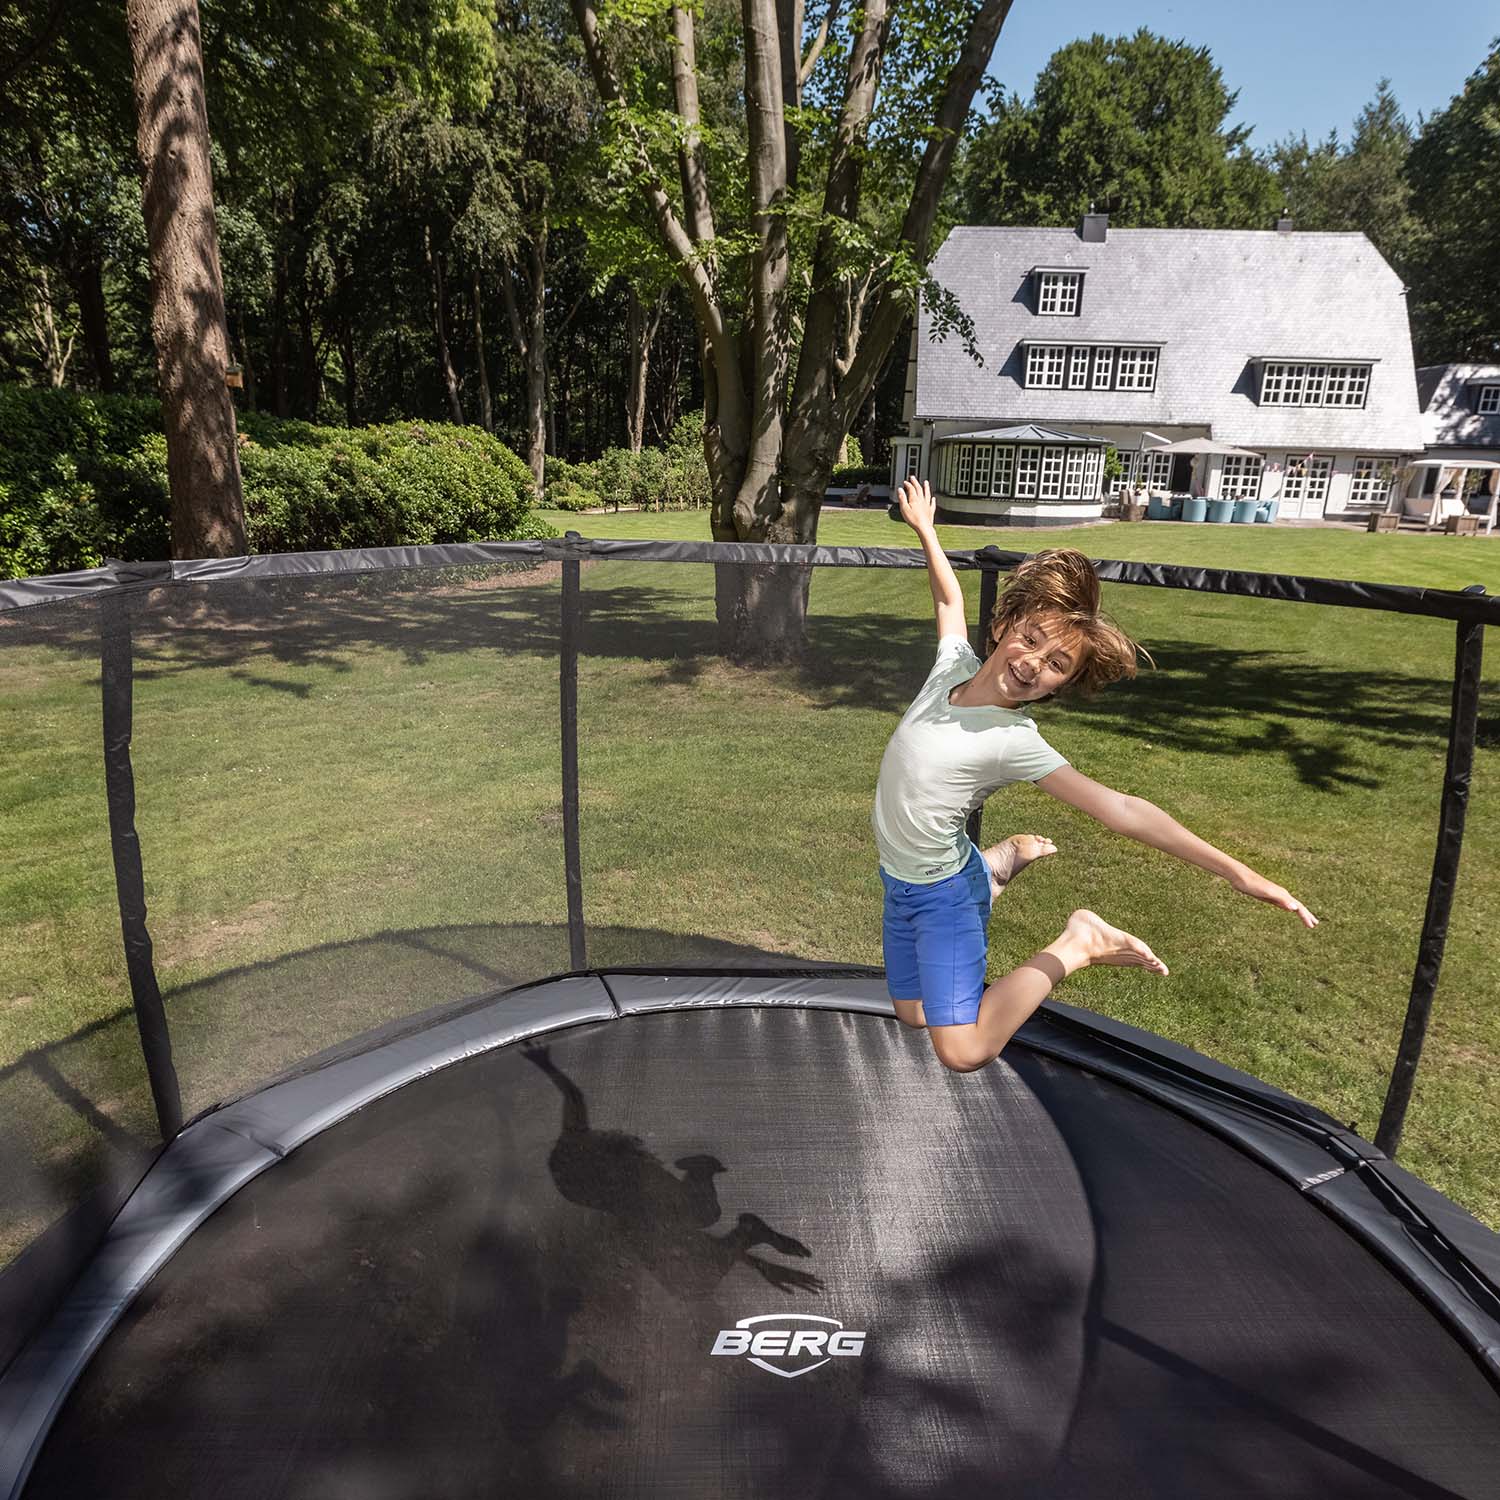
(187, 321)
(1136, 126)
(1455, 264)
(798, 292)
(537, 124)
(1361, 186)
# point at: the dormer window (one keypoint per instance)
(1309, 383)
(1489, 400)
(1058, 292)
(1084, 367)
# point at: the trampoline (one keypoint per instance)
(497, 1256)
(721, 1230)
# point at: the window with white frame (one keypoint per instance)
(1005, 467)
(1371, 481)
(1240, 478)
(965, 467)
(1044, 365)
(1104, 365)
(1135, 370)
(913, 460)
(1057, 292)
(983, 452)
(1028, 462)
(1489, 400)
(1078, 368)
(1159, 471)
(1052, 474)
(1073, 474)
(1091, 469)
(1283, 383)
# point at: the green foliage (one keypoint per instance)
(851, 476)
(1361, 186)
(1452, 168)
(671, 478)
(83, 478)
(1136, 126)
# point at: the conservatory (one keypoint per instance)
(1019, 476)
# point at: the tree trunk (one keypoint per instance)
(351, 381)
(280, 398)
(440, 326)
(88, 287)
(486, 405)
(529, 333)
(642, 326)
(187, 288)
(310, 362)
(246, 367)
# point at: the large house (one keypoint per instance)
(1291, 347)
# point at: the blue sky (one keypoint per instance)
(1298, 64)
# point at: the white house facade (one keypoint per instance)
(1460, 466)
(1292, 347)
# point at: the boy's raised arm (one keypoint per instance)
(919, 510)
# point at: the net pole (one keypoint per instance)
(1463, 725)
(117, 703)
(572, 859)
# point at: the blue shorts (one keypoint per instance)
(935, 942)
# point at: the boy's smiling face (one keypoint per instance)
(1034, 658)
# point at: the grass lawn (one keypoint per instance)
(348, 809)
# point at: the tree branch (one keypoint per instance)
(695, 198)
(820, 41)
(679, 245)
(892, 307)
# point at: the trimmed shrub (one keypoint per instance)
(851, 476)
(83, 478)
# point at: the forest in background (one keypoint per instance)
(424, 209)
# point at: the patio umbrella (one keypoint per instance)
(1201, 445)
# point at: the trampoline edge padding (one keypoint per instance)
(1448, 1258)
(214, 1157)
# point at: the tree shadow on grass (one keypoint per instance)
(1328, 723)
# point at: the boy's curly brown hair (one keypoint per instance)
(1061, 585)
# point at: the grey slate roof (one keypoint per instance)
(1213, 298)
(1449, 419)
(1028, 432)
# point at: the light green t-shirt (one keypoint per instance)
(941, 763)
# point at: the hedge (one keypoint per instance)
(671, 478)
(84, 477)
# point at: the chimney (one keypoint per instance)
(1284, 224)
(1094, 229)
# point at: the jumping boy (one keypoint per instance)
(966, 735)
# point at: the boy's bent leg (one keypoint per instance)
(910, 1013)
(1087, 939)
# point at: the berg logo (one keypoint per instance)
(760, 1343)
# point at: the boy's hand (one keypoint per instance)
(916, 505)
(1251, 884)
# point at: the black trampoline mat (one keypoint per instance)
(506, 1280)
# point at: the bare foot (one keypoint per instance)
(1010, 856)
(1089, 939)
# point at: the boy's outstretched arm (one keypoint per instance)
(1148, 824)
(918, 510)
